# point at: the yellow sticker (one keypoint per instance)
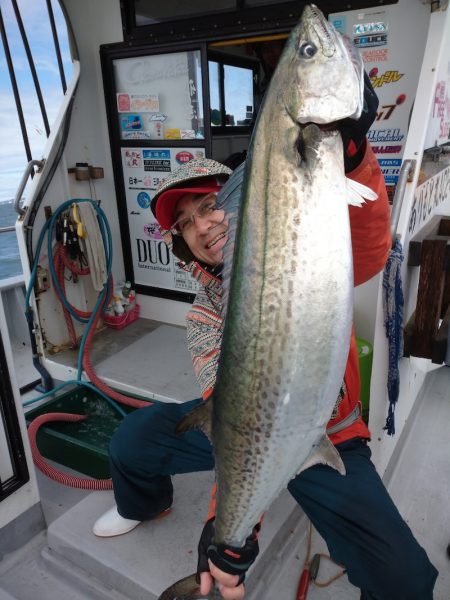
(172, 134)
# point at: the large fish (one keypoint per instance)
(289, 304)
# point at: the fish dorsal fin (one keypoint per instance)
(324, 453)
(199, 418)
(357, 193)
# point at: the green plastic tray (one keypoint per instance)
(82, 446)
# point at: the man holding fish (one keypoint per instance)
(276, 247)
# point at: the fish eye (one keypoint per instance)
(307, 50)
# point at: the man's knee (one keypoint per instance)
(143, 432)
(407, 576)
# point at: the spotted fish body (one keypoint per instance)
(289, 314)
(289, 301)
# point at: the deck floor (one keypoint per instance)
(420, 486)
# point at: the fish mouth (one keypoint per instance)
(333, 126)
(215, 239)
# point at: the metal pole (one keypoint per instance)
(32, 67)
(23, 182)
(57, 47)
(405, 175)
(15, 88)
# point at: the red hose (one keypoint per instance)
(62, 261)
(87, 366)
(69, 480)
(59, 269)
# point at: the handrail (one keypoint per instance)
(406, 174)
(6, 229)
(23, 183)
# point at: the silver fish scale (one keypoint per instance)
(289, 312)
(289, 316)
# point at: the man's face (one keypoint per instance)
(206, 235)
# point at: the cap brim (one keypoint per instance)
(167, 202)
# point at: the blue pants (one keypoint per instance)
(354, 514)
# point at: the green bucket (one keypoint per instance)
(365, 355)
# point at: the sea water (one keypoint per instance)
(10, 264)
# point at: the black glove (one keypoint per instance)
(354, 132)
(235, 561)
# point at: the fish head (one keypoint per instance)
(323, 72)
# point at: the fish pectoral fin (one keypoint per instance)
(199, 418)
(357, 193)
(324, 453)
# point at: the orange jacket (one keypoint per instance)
(371, 242)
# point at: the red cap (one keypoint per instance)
(167, 202)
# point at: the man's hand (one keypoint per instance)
(227, 584)
(223, 564)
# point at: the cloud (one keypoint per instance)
(35, 18)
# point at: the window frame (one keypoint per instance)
(230, 60)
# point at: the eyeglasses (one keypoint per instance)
(207, 206)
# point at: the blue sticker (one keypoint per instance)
(390, 167)
(385, 135)
(130, 122)
(366, 41)
(390, 162)
(143, 199)
(156, 154)
(339, 22)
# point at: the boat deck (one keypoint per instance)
(68, 561)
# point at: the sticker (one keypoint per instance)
(428, 197)
(157, 117)
(387, 149)
(441, 109)
(136, 135)
(366, 28)
(390, 162)
(128, 122)
(339, 23)
(183, 157)
(151, 230)
(387, 109)
(187, 134)
(133, 158)
(390, 167)
(158, 130)
(156, 160)
(387, 77)
(385, 135)
(378, 55)
(143, 199)
(172, 134)
(156, 154)
(366, 41)
(123, 103)
(137, 102)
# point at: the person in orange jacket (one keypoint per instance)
(354, 514)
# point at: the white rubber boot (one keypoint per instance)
(111, 524)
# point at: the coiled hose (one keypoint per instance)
(58, 261)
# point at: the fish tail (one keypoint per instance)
(187, 588)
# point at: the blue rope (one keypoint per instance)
(393, 323)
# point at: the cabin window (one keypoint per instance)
(159, 96)
(231, 92)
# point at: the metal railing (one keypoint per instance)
(406, 175)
